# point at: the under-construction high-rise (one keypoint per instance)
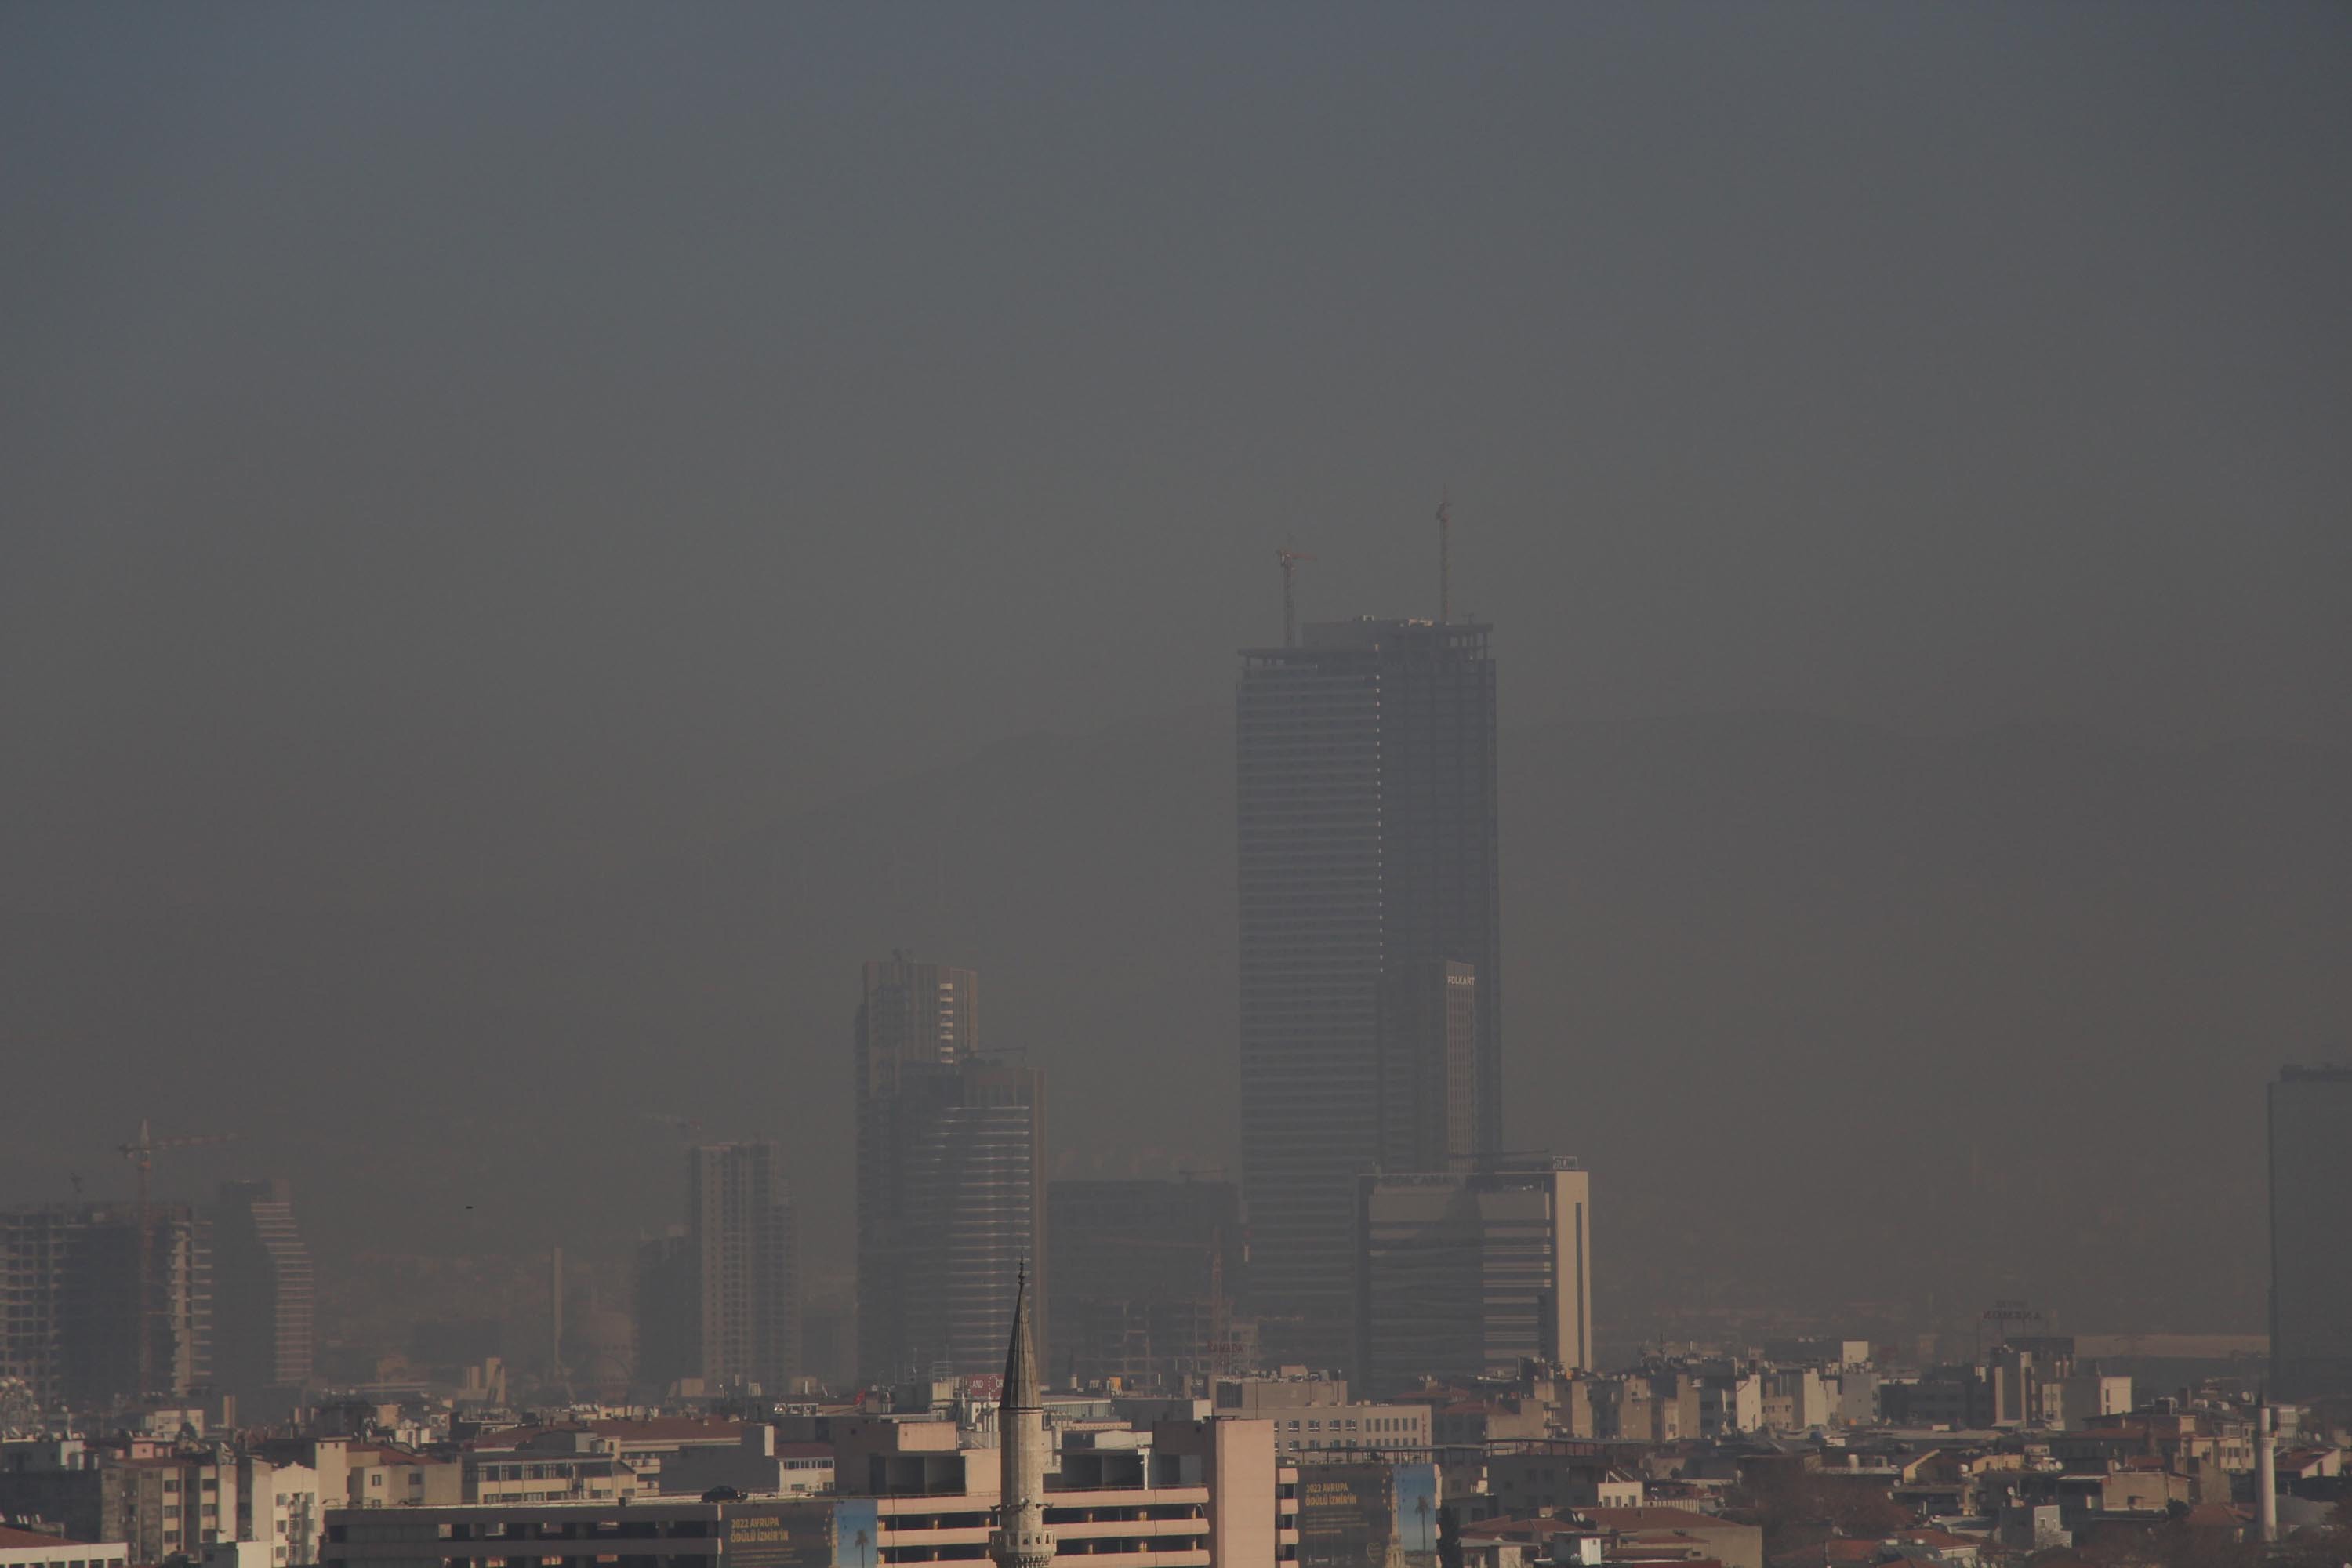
(950, 1176)
(1369, 925)
(72, 1313)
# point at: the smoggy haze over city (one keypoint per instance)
(537, 539)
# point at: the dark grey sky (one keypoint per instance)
(445, 444)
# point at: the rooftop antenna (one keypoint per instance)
(1445, 560)
(1290, 558)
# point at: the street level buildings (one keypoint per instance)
(38, 1549)
(1368, 870)
(1174, 1494)
(2311, 1211)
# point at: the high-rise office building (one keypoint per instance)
(739, 1225)
(1368, 861)
(1461, 1271)
(2311, 1257)
(1428, 1066)
(1144, 1273)
(70, 1286)
(262, 1298)
(950, 1177)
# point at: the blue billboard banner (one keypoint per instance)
(1416, 1509)
(857, 1534)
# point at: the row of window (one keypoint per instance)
(548, 1472)
(1370, 1424)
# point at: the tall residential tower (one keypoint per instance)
(743, 1249)
(263, 1338)
(1371, 941)
(2311, 1264)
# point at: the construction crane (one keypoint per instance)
(1290, 560)
(142, 1155)
(688, 1128)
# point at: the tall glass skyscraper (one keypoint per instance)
(1369, 873)
(2311, 1232)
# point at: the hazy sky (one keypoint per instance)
(450, 444)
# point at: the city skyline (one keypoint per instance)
(539, 541)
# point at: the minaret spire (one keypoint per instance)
(1020, 1539)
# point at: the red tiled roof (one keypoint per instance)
(1653, 1517)
(1521, 1528)
(12, 1538)
(670, 1429)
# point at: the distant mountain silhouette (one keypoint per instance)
(1831, 1013)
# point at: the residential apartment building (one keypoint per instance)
(741, 1235)
(279, 1509)
(263, 1332)
(563, 1464)
(1314, 1420)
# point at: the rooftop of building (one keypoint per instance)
(1370, 634)
(13, 1538)
(649, 1429)
(1649, 1516)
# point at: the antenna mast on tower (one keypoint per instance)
(1290, 560)
(1444, 561)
